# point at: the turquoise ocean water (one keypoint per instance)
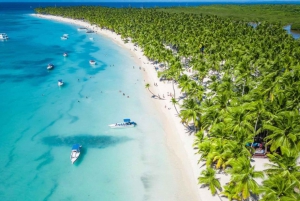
(40, 121)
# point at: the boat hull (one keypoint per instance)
(121, 126)
(74, 156)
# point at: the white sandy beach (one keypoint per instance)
(178, 140)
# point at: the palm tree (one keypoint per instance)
(208, 178)
(190, 112)
(279, 189)
(147, 86)
(174, 102)
(285, 130)
(285, 165)
(243, 176)
(230, 192)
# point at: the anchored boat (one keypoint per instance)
(126, 124)
(60, 83)
(50, 66)
(92, 62)
(75, 152)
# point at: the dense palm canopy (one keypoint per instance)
(245, 82)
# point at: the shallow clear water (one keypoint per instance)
(40, 121)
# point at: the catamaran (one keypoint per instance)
(126, 124)
(75, 152)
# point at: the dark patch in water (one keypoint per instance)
(73, 118)
(146, 181)
(72, 70)
(49, 125)
(11, 152)
(89, 141)
(10, 157)
(47, 157)
(52, 190)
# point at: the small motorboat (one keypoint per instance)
(126, 124)
(75, 152)
(60, 83)
(91, 38)
(50, 66)
(65, 54)
(64, 38)
(92, 62)
(89, 31)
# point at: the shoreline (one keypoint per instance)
(178, 141)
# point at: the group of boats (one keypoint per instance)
(3, 36)
(76, 148)
(75, 151)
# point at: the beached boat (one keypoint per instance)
(75, 152)
(82, 29)
(126, 124)
(92, 62)
(60, 83)
(65, 54)
(89, 31)
(3, 36)
(50, 66)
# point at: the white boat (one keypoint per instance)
(50, 66)
(91, 38)
(75, 152)
(64, 38)
(3, 36)
(60, 83)
(65, 54)
(82, 29)
(92, 62)
(66, 35)
(126, 124)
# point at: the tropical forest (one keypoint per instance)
(242, 98)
